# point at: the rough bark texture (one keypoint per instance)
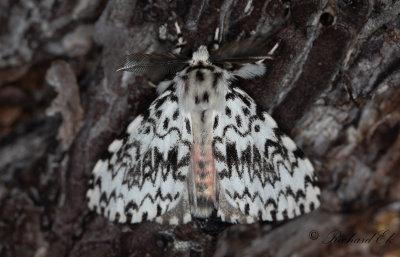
(334, 87)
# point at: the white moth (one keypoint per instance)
(203, 146)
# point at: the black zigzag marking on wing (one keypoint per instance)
(262, 162)
(160, 196)
(252, 198)
(107, 199)
(137, 167)
(134, 174)
(266, 167)
(153, 162)
(299, 194)
(278, 148)
(131, 205)
(258, 168)
(234, 127)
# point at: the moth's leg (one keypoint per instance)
(163, 85)
(217, 39)
(272, 51)
(180, 42)
(151, 84)
(270, 54)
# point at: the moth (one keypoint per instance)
(203, 146)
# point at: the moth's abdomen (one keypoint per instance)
(203, 167)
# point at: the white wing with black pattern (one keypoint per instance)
(261, 173)
(144, 175)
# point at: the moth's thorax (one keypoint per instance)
(200, 93)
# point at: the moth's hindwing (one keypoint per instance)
(144, 177)
(262, 175)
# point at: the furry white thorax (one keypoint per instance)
(202, 97)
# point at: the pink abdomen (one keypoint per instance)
(203, 164)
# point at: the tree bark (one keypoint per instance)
(334, 87)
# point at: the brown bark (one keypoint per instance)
(334, 87)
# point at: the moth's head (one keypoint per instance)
(242, 59)
(200, 56)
